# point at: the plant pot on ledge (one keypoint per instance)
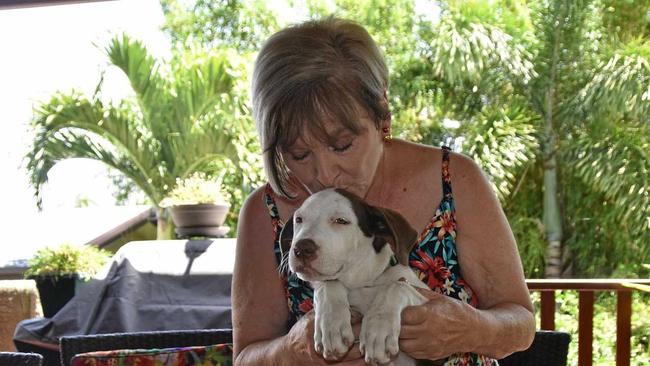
(198, 207)
(203, 219)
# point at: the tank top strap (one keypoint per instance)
(273, 208)
(446, 177)
(275, 221)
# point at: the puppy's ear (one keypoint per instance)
(392, 227)
(286, 235)
(386, 225)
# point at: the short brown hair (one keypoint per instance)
(311, 74)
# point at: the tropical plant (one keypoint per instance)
(180, 120)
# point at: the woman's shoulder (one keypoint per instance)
(412, 154)
(427, 161)
(263, 203)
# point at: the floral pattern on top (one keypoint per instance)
(434, 259)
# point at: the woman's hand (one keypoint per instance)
(301, 344)
(438, 328)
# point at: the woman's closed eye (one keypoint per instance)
(300, 156)
(342, 147)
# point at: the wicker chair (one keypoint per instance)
(71, 346)
(548, 349)
(20, 359)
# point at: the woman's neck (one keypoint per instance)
(379, 191)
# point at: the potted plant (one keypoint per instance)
(56, 271)
(198, 206)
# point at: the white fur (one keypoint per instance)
(347, 273)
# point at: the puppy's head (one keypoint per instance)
(333, 228)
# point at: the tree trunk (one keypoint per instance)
(552, 212)
(165, 225)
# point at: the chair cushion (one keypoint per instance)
(213, 355)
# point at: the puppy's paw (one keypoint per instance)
(333, 335)
(378, 340)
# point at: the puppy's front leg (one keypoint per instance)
(332, 329)
(381, 324)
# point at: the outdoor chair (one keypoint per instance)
(71, 346)
(549, 348)
(20, 359)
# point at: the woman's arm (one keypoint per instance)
(259, 307)
(490, 264)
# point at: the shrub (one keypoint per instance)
(67, 259)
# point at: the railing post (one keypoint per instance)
(623, 327)
(585, 328)
(547, 321)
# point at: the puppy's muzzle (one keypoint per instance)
(305, 250)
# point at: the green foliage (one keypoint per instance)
(195, 189)
(67, 259)
(241, 25)
(521, 81)
(626, 19)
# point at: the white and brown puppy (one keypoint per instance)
(346, 249)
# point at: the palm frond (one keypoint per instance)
(465, 51)
(144, 74)
(619, 89)
(616, 163)
(69, 143)
(118, 125)
(200, 79)
(501, 141)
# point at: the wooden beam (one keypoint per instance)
(585, 328)
(623, 327)
(547, 321)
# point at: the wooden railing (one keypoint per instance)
(586, 289)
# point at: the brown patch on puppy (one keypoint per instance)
(386, 225)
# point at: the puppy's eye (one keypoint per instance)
(298, 220)
(341, 221)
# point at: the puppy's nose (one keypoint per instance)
(305, 249)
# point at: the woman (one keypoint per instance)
(320, 103)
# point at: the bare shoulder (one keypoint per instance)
(252, 211)
(468, 179)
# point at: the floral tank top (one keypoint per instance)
(433, 259)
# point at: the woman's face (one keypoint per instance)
(349, 163)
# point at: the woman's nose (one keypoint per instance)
(326, 173)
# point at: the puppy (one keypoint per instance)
(355, 256)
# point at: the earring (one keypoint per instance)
(388, 137)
